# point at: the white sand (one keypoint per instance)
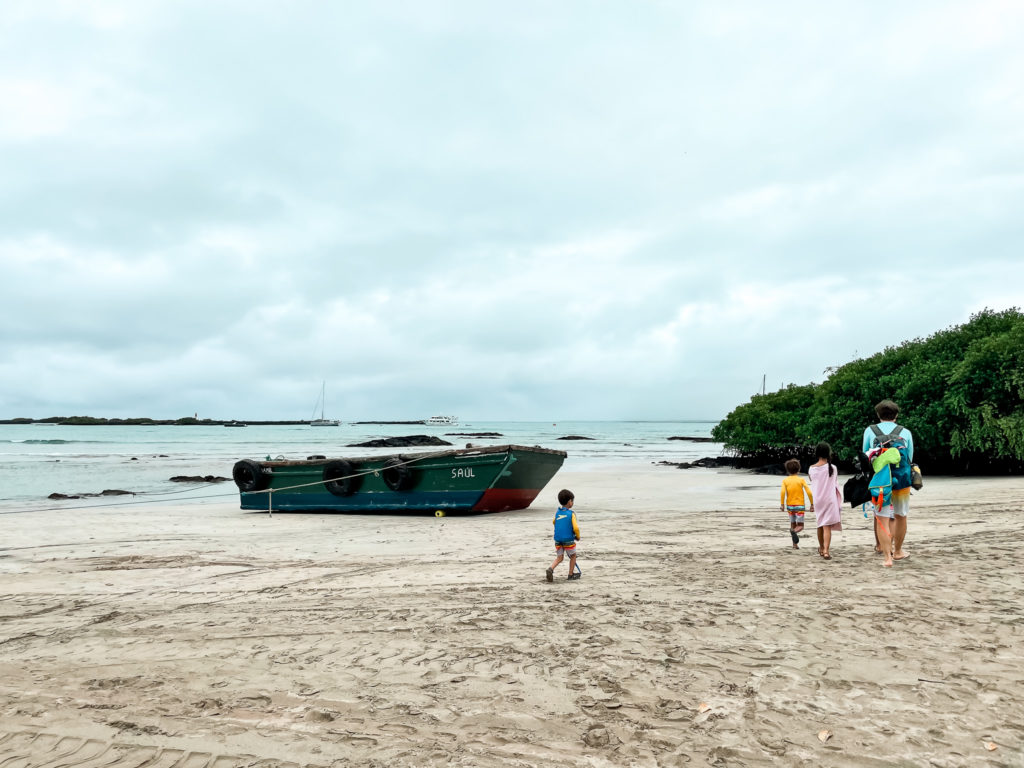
(201, 635)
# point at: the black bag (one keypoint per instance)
(855, 490)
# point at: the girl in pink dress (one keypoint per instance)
(828, 501)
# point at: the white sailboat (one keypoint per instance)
(322, 422)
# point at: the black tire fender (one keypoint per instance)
(397, 475)
(249, 476)
(338, 477)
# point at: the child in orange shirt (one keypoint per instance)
(792, 500)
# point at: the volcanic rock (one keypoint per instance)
(401, 442)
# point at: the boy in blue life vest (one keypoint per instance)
(567, 533)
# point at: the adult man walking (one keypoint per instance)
(887, 412)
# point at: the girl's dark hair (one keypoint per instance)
(824, 451)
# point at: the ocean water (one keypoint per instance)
(39, 459)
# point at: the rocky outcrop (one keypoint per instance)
(707, 462)
(710, 462)
(693, 439)
(473, 434)
(401, 442)
(198, 479)
(110, 492)
(574, 437)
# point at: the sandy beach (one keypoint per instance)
(200, 635)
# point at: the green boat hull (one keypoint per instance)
(492, 479)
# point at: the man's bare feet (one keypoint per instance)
(887, 563)
(901, 555)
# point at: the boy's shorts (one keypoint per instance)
(796, 514)
(565, 547)
(886, 511)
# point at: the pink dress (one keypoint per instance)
(828, 502)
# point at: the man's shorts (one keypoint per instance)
(885, 511)
(565, 547)
(901, 502)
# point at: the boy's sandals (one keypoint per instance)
(549, 574)
(574, 576)
(827, 556)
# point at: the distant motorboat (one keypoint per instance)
(235, 424)
(442, 421)
(321, 401)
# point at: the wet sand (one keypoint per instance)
(200, 635)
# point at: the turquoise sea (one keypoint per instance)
(39, 459)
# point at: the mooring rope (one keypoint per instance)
(377, 471)
(268, 491)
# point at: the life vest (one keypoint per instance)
(563, 525)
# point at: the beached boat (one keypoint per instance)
(322, 402)
(442, 421)
(491, 479)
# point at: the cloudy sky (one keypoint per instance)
(501, 210)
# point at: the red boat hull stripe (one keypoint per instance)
(502, 499)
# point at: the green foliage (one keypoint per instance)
(986, 392)
(960, 391)
(776, 419)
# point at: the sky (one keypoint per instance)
(497, 210)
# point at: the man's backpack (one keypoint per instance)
(901, 473)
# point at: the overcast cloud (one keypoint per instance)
(518, 210)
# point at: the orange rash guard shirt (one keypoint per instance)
(793, 488)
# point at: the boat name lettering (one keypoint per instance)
(462, 472)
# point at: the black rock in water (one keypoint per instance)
(473, 434)
(401, 442)
(62, 496)
(693, 439)
(574, 437)
(712, 462)
(198, 479)
(708, 462)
